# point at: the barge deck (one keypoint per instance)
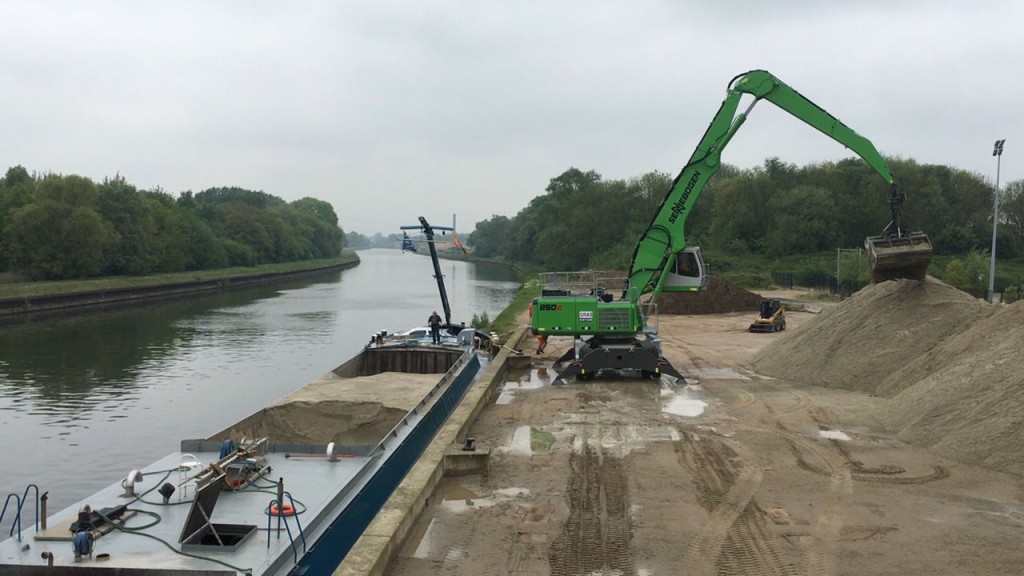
(235, 505)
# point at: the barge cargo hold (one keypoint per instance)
(244, 501)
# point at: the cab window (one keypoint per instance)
(686, 265)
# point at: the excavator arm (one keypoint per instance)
(665, 236)
(615, 334)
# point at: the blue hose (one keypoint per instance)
(81, 543)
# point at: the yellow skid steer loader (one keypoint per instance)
(771, 317)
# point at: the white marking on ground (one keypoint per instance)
(833, 434)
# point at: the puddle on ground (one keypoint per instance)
(454, 491)
(532, 380)
(520, 443)
(833, 435)
(429, 541)
(527, 439)
(683, 400)
(496, 497)
(619, 440)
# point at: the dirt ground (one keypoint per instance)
(730, 473)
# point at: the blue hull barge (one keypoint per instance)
(284, 492)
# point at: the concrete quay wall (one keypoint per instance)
(382, 539)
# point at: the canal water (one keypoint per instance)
(87, 398)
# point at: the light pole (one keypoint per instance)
(998, 153)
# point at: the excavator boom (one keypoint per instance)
(618, 331)
(896, 253)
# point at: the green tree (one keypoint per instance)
(321, 224)
(957, 276)
(955, 240)
(545, 213)
(977, 266)
(248, 226)
(804, 221)
(16, 190)
(490, 236)
(1011, 210)
(131, 250)
(58, 234)
(16, 175)
(55, 241)
(71, 190)
(969, 274)
(356, 240)
(736, 225)
(204, 251)
(481, 321)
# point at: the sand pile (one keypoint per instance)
(861, 343)
(357, 411)
(360, 423)
(965, 399)
(719, 297)
(950, 363)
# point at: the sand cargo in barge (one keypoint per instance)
(284, 492)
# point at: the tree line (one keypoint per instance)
(357, 241)
(66, 226)
(777, 209)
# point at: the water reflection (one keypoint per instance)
(75, 364)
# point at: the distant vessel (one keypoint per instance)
(407, 243)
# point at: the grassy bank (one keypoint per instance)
(528, 290)
(49, 288)
(506, 321)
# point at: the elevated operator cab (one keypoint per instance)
(689, 273)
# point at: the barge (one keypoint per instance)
(284, 492)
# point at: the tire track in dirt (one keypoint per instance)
(820, 556)
(745, 398)
(735, 539)
(750, 548)
(597, 536)
(803, 401)
(458, 533)
(881, 474)
(690, 358)
(886, 473)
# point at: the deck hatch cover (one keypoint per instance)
(200, 533)
(202, 509)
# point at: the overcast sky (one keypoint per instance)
(394, 110)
